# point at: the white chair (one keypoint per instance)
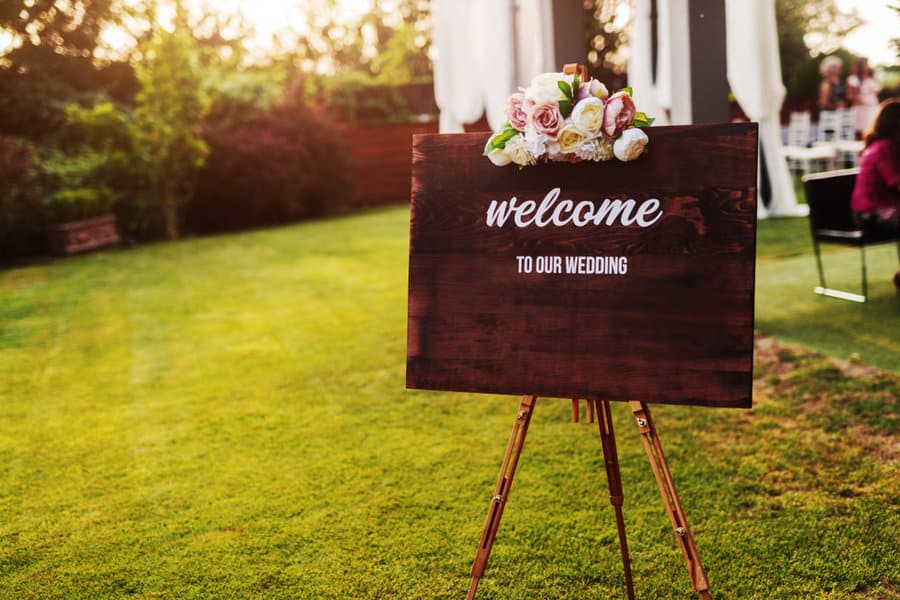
(836, 129)
(848, 124)
(800, 156)
(829, 129)
(799, 131)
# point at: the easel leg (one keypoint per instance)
(588, 412)
(501, 493)
(614, 478)
(670, 498)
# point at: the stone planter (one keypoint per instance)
(84, 235)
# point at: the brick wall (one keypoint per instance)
(381, 160)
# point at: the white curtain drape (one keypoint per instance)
(474, 62)
(653, 98)
(754, 74)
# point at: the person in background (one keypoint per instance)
(876, 195)
(862, 94)
(832, 92)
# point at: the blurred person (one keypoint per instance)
(862, 94)
(832, 91)
(876, 195)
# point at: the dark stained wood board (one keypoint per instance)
(676, 328)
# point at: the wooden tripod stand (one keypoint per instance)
(607, 437)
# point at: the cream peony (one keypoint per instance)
(571, 137)
(588, 116)
(631, 144)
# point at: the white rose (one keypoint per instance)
(545, 87)
(630, 144)
(539, 144)
(516, 151)
(499, 157)
(588, 116)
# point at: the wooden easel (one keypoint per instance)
(607, 437)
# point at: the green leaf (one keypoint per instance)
(565, 108)
(566, 89)
(506, 135)
(576, 83)
(642, 120)
(499, 139)
(627, 90)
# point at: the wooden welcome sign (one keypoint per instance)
(613, 280)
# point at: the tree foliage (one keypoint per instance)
(272, 167)
(100, 147)
(169, 111)
(388, 39)
(126, 130)
(70, 28)
(53, 61)
(21, 211)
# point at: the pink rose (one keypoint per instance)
(546, 119)
(618, 115)
(516, 111)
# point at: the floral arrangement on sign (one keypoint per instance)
(568, 117)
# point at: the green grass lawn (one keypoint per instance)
(786, 306)
(226, 418)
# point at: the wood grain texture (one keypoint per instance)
(676, 328)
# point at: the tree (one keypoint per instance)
(52, 60)
(169, 112)
(336, 43)
(808, 26)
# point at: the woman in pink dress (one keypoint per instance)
(876, 195)
(862, 92)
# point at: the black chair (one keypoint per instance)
(831, 222)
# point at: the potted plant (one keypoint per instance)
(78, 205)
(82, 220)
